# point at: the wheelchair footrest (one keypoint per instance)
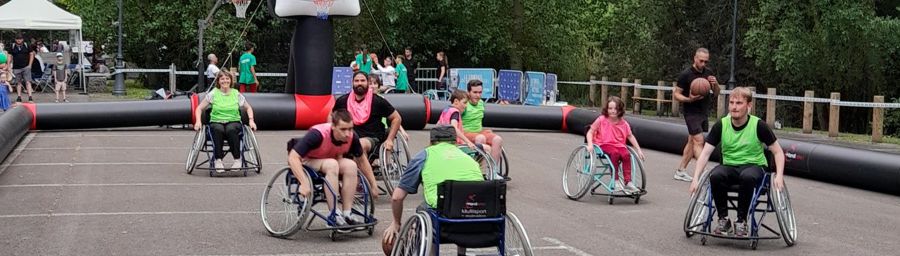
(733, 237)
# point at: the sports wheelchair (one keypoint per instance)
(701, 210)
(389, 169)
(469, 214)
(591, 170)
(284, 211)
(203, 142)
(486, 162)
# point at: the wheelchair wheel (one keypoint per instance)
(391, 169)
(199, 142)
(504, 163)
(577, 177)
(415, 237)
(402, 146)
(637, 173)
(781, 201)
(363, 203)
(517, 242)
(698, 210)
(483, 159)
(253, 149)
(282, 209)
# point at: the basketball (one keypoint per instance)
(387, 247)
(700, 86)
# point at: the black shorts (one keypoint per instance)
(696, 123)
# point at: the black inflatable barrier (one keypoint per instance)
(412, 109)
(14, 123)
(112, 114)
(273, 111)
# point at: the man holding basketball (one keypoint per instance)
(695, 107)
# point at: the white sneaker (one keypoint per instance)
(631, 188)
(620, 188)
(220, 168)
(682, 176)
(236, 166)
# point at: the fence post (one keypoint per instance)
(834, 115)
(172, 78)
(604, 91)
(624, 93)
(675, 103)
(636, 109)
(877, 120)
(593, 90)
(752, 101)
(659, 97)
(808, 112)
(770, 108)
(721, 107)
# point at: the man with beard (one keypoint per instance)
(367, 111)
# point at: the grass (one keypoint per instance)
(133, 89)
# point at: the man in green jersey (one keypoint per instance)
(743, 139)
(472, 119)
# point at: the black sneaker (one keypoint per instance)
(740, 228)
(18, 98)
(723, 227)
(30, 99)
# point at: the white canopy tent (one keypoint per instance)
(42, 15)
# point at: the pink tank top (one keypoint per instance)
(445, 120)
(327, 149)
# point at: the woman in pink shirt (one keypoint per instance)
(610, 131)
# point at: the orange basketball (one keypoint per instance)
(387, 247)
(700, 86)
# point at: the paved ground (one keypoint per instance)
(124, 192)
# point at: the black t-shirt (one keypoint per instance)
(763, 133)
(411, 66)
(313, 139)
(20, 55)
(684, 82)
(373, 127)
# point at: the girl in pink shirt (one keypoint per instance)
(610, 131)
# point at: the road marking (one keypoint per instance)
(129, 185)
(90, 164)
(566, 247)
(16, 152)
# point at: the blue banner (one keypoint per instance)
(341, 80)
(534, 94)
(510, 85)
(550, 88)
(485, 75)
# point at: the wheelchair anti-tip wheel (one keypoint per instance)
(282, 209)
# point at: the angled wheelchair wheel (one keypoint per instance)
(253, 158)
(577, 176)
(781, 201)
(637, 173)
(504, 163)
(415, 237)
(282, 209)
(483, 159)
(362, 202)
(402, 146)
(517, 242)
(199, 142)
(698, 208)
(391, 169)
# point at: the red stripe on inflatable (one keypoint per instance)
(427, 110)
(195, 100)
(31, 107)
(311, 110)
(565, 115)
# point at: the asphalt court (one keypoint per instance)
(124, 192)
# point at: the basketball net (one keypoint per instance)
(322, 7)
(240, 7)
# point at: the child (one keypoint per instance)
(610, 131)
(4, 91)
(451, 116)
(402, 83)
(60, 77)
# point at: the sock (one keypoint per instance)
(347, 213)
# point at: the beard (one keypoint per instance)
(360, 90)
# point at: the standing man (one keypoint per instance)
(695, 109)
(22, 58)
(247, 63)
(411, 67)
(211, 70)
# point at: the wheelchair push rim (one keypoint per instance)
(282, 201)
(781, 201)
(415, 237)
(578, 173)
(515, 231)
(254, 161)
(194, 153)
(698, 209)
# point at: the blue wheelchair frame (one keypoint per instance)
(437, 220)
(771, 204)
(319, 185)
